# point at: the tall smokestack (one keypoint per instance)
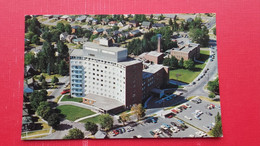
(159, 42)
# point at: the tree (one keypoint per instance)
(181, 62)
(41, 78)
(44, 110)
(166, 61)
(67, 28)
(213, 86)
(44, 84)
(60, 26)
(200, 36)
(63, 50)
(174, 62)
(170, 22)
(29, 59)
(36, 97)
(29, 35)
(63, 68)
(74, 133)
(115, 27)
(54, 80)
(212, 95)
(55, 35)
(35, 40)
(214, 30)
(54, 120)
(217, 129)
(189, 64)
(47, 36)
(49, 56)
(138, 110)
(106, 121)
(91, 127)
(93, 37)
(124, 117)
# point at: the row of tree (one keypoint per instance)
(213, 86)
(217, 129)
(150, 41)
(174, 63)
(39, 104)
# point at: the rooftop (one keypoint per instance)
(151, 69)
(154, 53)
(104, 102)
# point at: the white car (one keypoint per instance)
(191, 135)
(189, 106)
(189, 118)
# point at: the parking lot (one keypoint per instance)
(206, 118)
(145, 128)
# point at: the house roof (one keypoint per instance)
(146, 23)
(75, 27)
(80, 18)
(158, 25)
(64, 17)
(132, 21)
(135, 31)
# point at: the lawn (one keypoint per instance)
(187, 76)
(93, 119)
(66, 98)
(73, 113)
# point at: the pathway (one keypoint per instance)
(83, 118)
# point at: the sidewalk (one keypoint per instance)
(83, 118)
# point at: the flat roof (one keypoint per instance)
(96, 46)
(129, 61)
(151, 69)
(155, 53)
(186, 48)
(104, 102)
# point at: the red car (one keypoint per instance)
(115, 132)
(174, 111)
(65, 91)
(212, 105)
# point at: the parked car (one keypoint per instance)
(65, 91)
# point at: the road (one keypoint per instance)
(56, 92)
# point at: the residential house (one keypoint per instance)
(104, 21)
(146, 24)
(71, 18)
(63, 36)
(47, 16)
(79, 40)
(64, 17)
(157, 25)
(133, 23)
(189, 19)
(81, 18)
(121, 24)
(56, 17)
(98, 31)
(29, 71)
(74, 28)
(107, 31)
(115, 33)
(100, 135)
(135, 33)
(94, 22)
(112, 23)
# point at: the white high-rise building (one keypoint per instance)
(98, 71)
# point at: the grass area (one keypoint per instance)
(209, 99)
(93, 119)
(67, 98)
(52, 20)
(49, 93)
(57, 99)
(47, 76)
(189, 98)
(45, 130)
(168, 108)
(73, 113)
(188, 76)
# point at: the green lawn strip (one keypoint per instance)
(65, 98)
(92, 119)
(189, 98)
(73, 113)
(57, 99)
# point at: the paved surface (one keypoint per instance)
(205, 118)
(143, 130)
(56, 92)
